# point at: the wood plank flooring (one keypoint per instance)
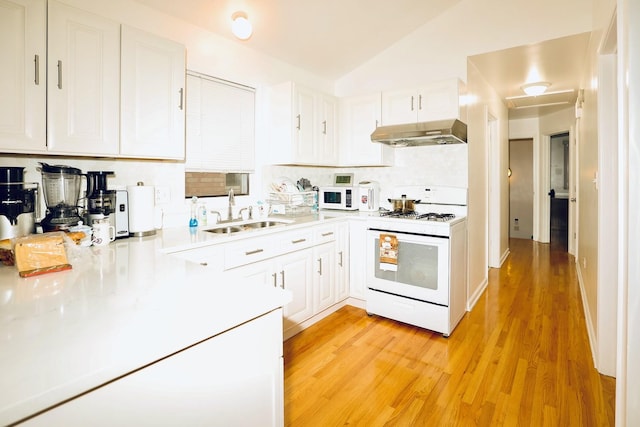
(520, 358)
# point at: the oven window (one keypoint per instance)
(333, 197)
(417, 265)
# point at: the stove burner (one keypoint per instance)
(430, 216)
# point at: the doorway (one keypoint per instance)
(559, 173)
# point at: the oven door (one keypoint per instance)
(422, 267)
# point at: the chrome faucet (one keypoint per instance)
(218, 216)
(232, 203)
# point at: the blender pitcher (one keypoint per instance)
(61, 189)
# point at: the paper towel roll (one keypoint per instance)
(141, 209)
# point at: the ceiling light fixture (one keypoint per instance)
(535, 89)
(240, 26)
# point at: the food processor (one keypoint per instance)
(18, 203)
(61, 189)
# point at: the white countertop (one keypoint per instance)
(120, 307)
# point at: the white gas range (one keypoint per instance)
(417, 261)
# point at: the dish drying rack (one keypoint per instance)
(292, 204)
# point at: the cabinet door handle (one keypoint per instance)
(59, 74)
(298, 118)
(256, 251)
(320, 266)
(419, 102)
(181, 104)
(36, 62)
(411, 102)
(275, 280)
(340, 262)
(282, 275)
(329, 233)
(298, 241)
(324, 127)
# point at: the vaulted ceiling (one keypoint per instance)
(332, 37)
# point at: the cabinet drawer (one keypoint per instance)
(210, 256)
(294, 240)
(324, 233)
(250, 250)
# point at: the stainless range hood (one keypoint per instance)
(425, 133)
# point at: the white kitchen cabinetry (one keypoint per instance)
(23, 85)
(152, 95)
(357, 253)
(435, 101)
(324, 281)
(342, 261)
(234, 378)
(220, 125)
(83, 82)
(303, 126)
(292, 271)
(359, 117)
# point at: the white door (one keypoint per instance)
(304, 123)
(399, 107)
(83, 82)
(23, 86)
(324, 276)
(327, 147)
(295, 271)
(153, 96)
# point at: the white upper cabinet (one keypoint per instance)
(435, 101)
(220, 125)
(23, 84)
(83, 82)
(303, 126)
(152, 96)
(359, 116)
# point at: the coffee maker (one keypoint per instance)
(18, 203)
(102, 203)
(61, 189)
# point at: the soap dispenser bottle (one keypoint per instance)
(193, 221)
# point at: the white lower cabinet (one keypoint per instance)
(324, 276)
(357, 253)
(232, 379)
(292, 271)
(342, 262)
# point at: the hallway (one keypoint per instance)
(521, 357)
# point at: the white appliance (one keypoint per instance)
(338, 197)
(424, 284)
(369, 196)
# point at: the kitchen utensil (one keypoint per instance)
(403, 204)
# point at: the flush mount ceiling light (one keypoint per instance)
(240, 26)
(535, 89)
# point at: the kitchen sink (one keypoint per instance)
(263, 224)
(236, 227)
(225, 230)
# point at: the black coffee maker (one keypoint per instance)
(101, 202)
(18, 203)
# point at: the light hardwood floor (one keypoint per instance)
(520, 358)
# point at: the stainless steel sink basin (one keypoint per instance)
(235, 227)
(263, 224)
(225, 230)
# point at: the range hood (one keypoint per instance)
(425, 133)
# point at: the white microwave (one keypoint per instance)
(343, 197)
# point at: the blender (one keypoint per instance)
(61, 189)
(18, 203)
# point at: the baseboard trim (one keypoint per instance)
(591, 332)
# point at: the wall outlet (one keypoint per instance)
(163, 195)
(584, 262)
